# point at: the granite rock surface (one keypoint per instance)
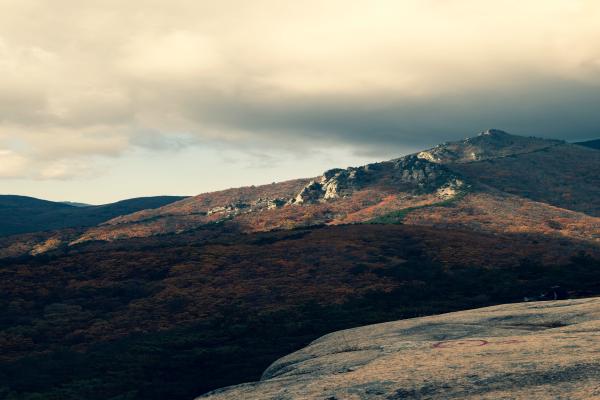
(538, 350)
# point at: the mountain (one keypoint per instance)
(21, 214)
(530, 351)
(593, 144)
(552, 172)
(208, 291)
(541, 183)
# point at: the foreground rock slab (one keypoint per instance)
(542, 350)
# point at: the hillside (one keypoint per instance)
(593, 144)
(177, 315)
(338, 196)
(546, 177)
(528, 351)
(21, 214)
(492, 211)
(494, 182)
(563, 175)
(547, 171)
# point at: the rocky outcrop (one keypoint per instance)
(311, 193)
(542, 350)
(407, 174)
(241, 207)
(489, 144)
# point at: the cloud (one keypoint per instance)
(12, 165)
(173, 55)
(82, 81)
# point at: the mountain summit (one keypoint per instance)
(489, 144)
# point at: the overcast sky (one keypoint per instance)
(104, 100)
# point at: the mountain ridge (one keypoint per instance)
(24, 214)
(360, 194)
(593, 144)
(489, 144)
(550, 184)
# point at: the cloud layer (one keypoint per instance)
(81, 81)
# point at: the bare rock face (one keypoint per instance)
(311, 193)
(541, 350)
(410, 174)
(241, 207)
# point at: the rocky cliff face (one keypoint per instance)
(543, 350)
(409, 174)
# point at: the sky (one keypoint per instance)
(106, 100)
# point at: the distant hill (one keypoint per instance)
(594, 144)
(22, 214)
(76, 204)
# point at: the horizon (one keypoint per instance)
(116, 198)
(142, 98)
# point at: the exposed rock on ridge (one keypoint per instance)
(408, 174)
(241, 207)
(489, 144)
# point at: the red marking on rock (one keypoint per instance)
(471, 343)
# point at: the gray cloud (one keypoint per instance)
(556, 108)
(374, 77)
